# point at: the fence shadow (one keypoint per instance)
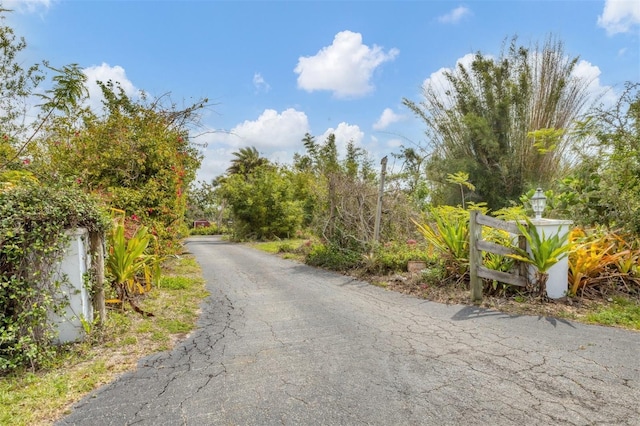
(471, 312)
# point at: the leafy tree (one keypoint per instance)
(137, 155)
(246, 160)
(411, 179)
(17, 84)
(483, 123)
(343, 195)
(202, 201)
(263, 204)
(605, 188)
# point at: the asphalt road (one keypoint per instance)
(282, 343)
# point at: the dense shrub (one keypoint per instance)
(263, 204)
(331, 256)
(394, 256)
(32, 237)
(212, 229)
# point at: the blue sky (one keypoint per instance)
(278, 69)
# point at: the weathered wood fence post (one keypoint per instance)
(519, 277)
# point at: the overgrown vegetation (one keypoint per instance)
(61, 171)
(32, 240)
(41, 397)
(507, 122)
(502, 127)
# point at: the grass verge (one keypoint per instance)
(620, 312)
(43, 397)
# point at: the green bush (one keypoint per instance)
(212, 229)
(263, 204)
(434, 274)
(394, 257)
(32, 238)
(333, 257)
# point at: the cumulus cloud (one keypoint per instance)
(344, 133)
(344, 68)
(388, 117)
(270, 130)
(590, 73)
(619, 16)
(455, 16)
(275, 135)
(215, 162)
(104, 73)
(260, 84)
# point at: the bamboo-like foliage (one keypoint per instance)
(484, 119)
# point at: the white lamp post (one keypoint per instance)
(538, 203)
(557, 283)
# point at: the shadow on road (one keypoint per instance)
(470, 312)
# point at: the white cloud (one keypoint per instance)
(344, 68)
(260, 84)
(455, 15)
(344, 133)
(590, 73)
(104, 73)
(215, 162)
(394, 143)
(619, 16)
(275, 135)
(271, 130)
(388, 117)
(27, 6)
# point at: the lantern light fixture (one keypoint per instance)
(538, 203)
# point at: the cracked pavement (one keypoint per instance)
(282, 343)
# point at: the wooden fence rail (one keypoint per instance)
(477, 245)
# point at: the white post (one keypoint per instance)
(558, 282)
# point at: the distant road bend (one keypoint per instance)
(280, 343)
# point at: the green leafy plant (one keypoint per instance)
(133, 271)
(497, 262)
(212, 229)
(461, 179)
(332, 256)
(394, 256)
(546, 251)
(448, 233)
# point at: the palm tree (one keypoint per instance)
(246, 161)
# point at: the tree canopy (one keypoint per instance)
(505, 121)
